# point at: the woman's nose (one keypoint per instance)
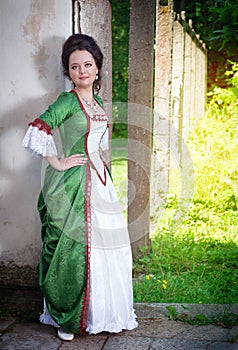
(81, 70)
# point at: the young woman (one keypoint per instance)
(85, 267)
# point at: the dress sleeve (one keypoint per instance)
(38, 139)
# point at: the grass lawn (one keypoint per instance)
(197, 260)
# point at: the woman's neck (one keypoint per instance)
(84, 93)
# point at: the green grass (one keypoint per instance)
(196, 261)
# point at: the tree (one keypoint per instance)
(216, 22)
(120, 52)
(225, 35)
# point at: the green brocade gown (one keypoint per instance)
(85, 263)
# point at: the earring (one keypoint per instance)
(96, 78)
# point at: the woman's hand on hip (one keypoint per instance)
(66, 163)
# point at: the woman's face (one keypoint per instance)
(82, 69)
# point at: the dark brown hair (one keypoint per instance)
(82, 42)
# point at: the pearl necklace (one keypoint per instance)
(92, 106)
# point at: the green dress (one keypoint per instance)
(65, 210)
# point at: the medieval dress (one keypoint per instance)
(85, 266)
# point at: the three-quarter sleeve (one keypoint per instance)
(39, 140)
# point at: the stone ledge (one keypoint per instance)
(30, 300)
(158, 310)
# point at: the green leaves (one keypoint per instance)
(120, 41)
(225, 33)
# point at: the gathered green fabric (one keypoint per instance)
(64, 211)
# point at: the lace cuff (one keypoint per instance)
(39, 140)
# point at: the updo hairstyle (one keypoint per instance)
(82, 42)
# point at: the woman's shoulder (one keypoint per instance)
(66, 96)
(65, 100)
(62, 107)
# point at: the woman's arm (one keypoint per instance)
(66, 163)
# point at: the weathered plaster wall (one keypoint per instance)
(32, 33)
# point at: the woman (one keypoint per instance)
(85, 264)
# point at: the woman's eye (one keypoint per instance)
(74, 67)
(88, 65)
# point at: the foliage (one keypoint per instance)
(216, 23)
(225, 14)
(120, 42)
(120, 53)
(224, 102)
(202, 17)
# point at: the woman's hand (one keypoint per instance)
(66, 163)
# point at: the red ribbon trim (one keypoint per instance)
(41, 125)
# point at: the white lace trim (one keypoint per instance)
(39, 143)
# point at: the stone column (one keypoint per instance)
(140, 120)
(94, 19)
(162, 110)
(177, 91)
(187, 86)
(193, 78)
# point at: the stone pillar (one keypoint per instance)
(177, 91)
(140, 120)
(193, 78)
(162, 110)
(204, 78)
(187, 86)
(94, 18)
